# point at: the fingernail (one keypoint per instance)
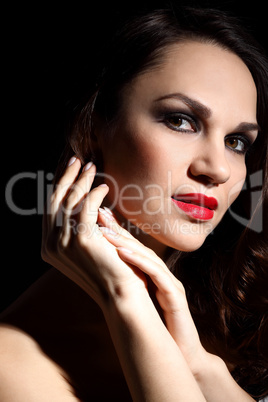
(125, 250)
(87, 166)
(103, 185)
(72, 160)
(106, 214)
(107, 231)
(109, 211)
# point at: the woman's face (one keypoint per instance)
(183, 131)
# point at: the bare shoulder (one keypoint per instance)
(26, 373)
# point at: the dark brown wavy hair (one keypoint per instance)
(226, 280)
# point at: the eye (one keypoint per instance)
(180, 122)
(238, 144)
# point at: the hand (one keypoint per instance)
(169, 291)
(73, 243)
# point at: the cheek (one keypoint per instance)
(139, 162)
(134, 155)
(237, 182)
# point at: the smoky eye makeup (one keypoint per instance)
(238, 143)
(178, 119)
(183, 119)
(180, 122)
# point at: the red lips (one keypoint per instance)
(196, 205)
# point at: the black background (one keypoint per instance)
(46, 50)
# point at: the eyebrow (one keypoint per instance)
(206, 112)
(201, 109)
(242, 127)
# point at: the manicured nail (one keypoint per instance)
(109, 211)
(108, 231)
(106, 214)
(72, 160)
(103, 185)
(87, 166)
(125, 250)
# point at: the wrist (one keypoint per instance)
(209, 367)
(126, 302)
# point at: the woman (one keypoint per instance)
(157, 293)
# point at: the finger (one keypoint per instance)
(108, 220)
(54, 200)
(64, 184)
(161, 277)
(170, 291)
(69, 195)
(80, 188)
(88, 215)
(119, 240)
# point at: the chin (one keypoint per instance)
(187, 245)
(186, 236)
(183, 242)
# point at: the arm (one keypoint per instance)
(73, 243)
(152, 363)
(209, 371)
(217, 384)
(26, 373)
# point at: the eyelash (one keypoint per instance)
(242, 138)
(180, 116)
(191, 120)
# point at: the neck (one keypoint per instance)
(146, 239)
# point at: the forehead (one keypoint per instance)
(207, 72)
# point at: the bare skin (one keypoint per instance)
(65, 347)
(81, 358)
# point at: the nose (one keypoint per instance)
(210, 164)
